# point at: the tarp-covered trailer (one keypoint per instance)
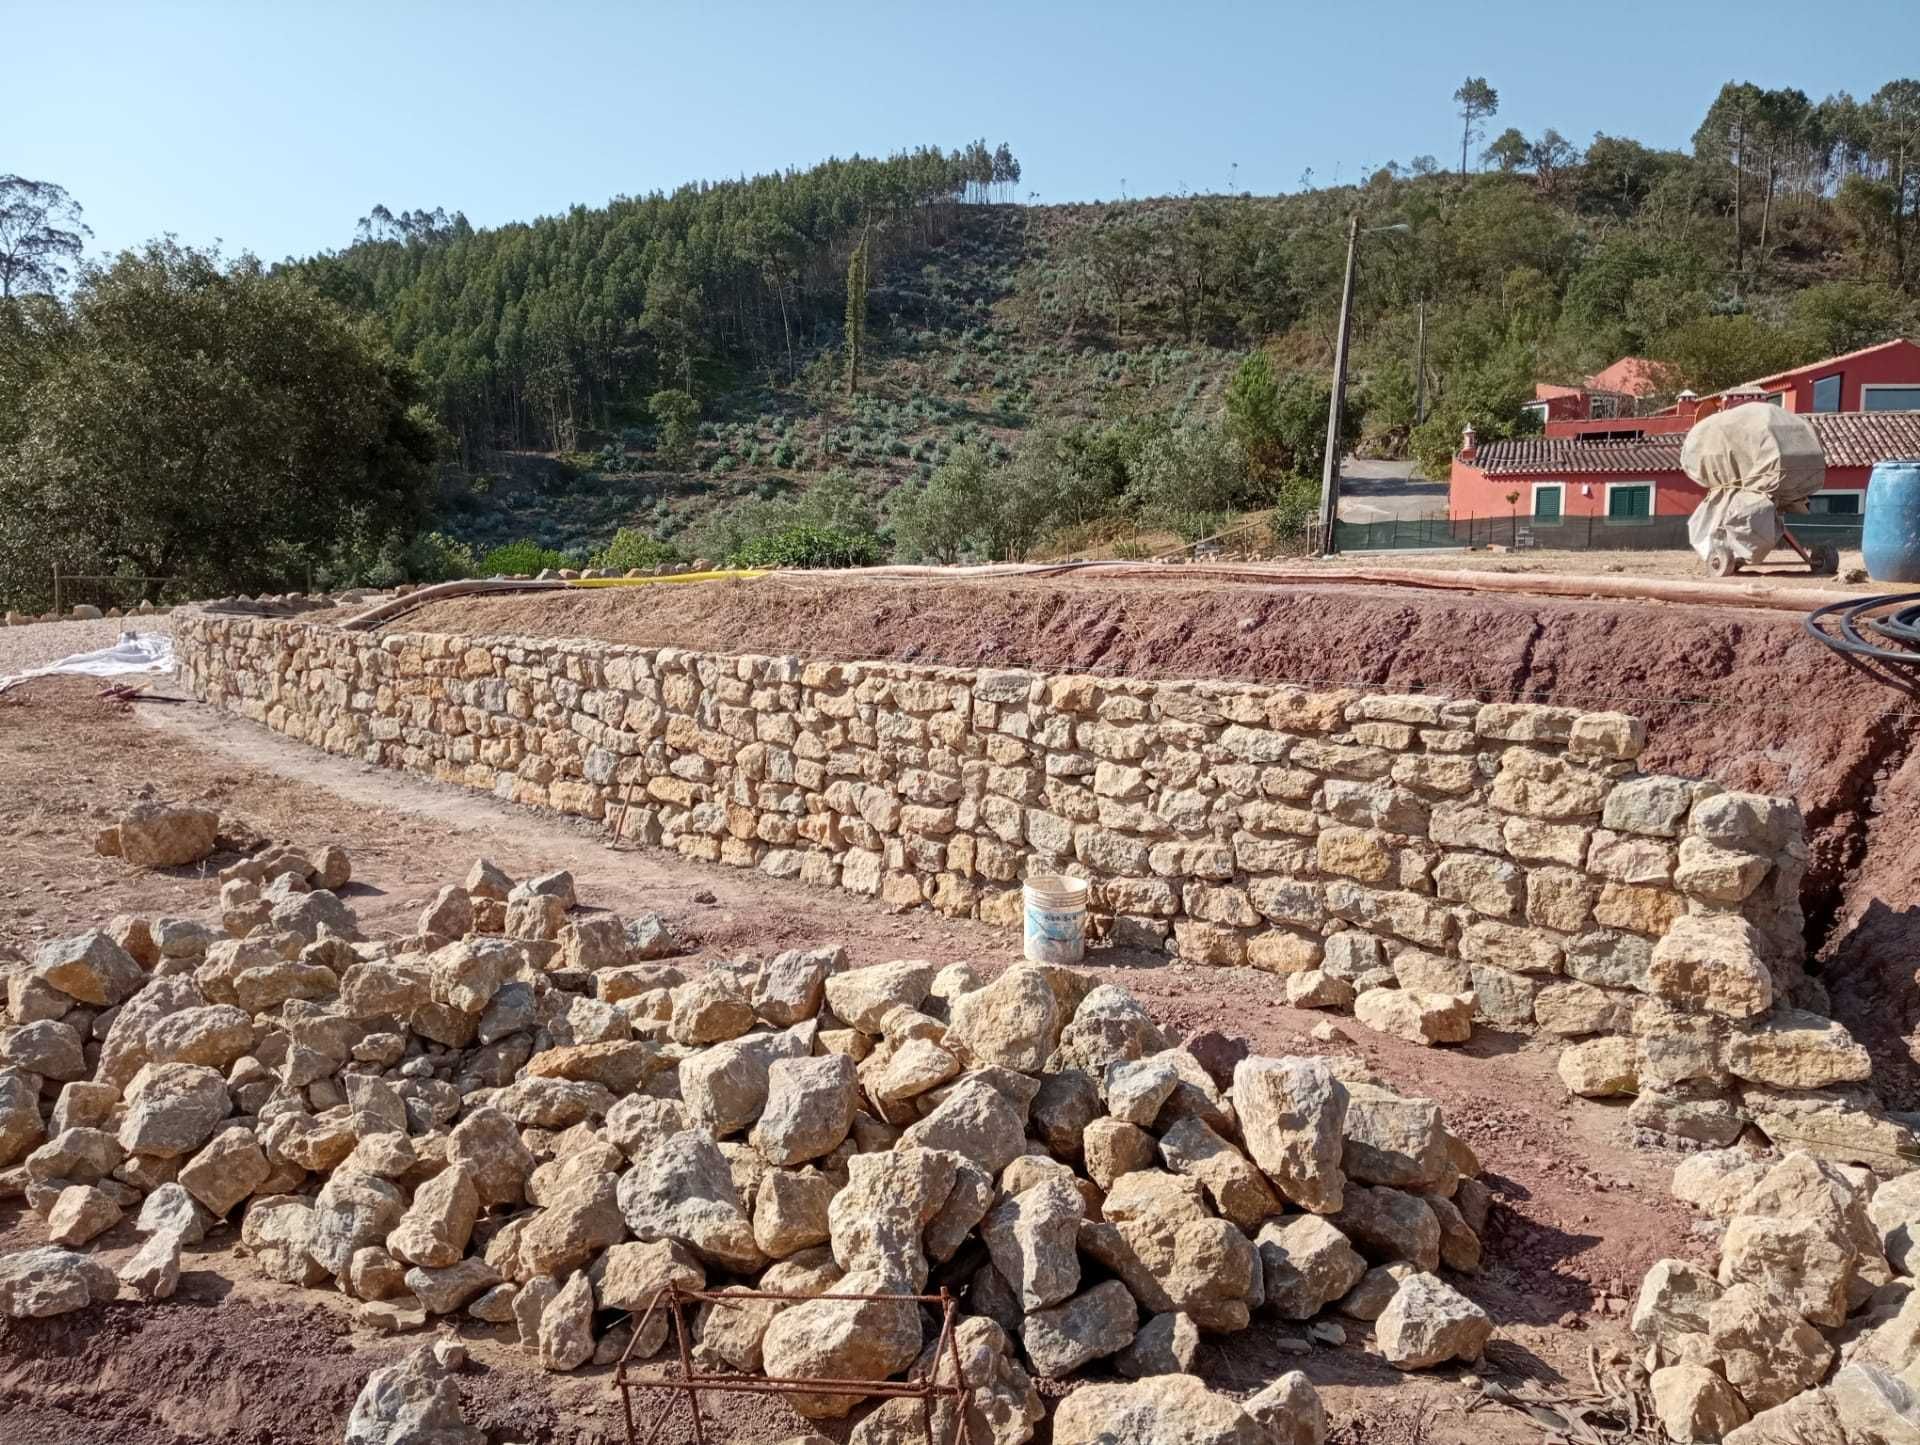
(1757, 462)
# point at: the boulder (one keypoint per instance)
(153, 1270)
(682, 1189)
(1419, 1018)
(1428, 1323)
(1307, 1263)
(1291, 1410)
(1389, 1224)
(1167, 1344)
(1795, 1261)
(1675, 1300)
(1767, 1352)
(975, 1120)
(229, 1168)
(89, 968)
(1293, 1113)
(1031, 1239)
(487, 1147)
(442, 1291)
(710, 1009)
(1238, 1190)
(174, 1110)
(81, 1213)
(566, 1326)
(862, 997)
(1090, 1326)
(810, 1104)
(878, 1222)
(790, 1211)
(1695, 1405)
(38, 1283)
(410, 1402)
(437, 1225)
(350, 1212)
(1163, 1410)
(167, 835)
(843, 1339)
(1015, 1021)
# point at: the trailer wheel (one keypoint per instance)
(1721, 561)
(1824, 558)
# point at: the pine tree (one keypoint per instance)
(856, 325)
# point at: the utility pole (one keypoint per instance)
(1420, 369)
(1330, 468)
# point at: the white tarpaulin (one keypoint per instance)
(1756, 461)
(135, 652)
(1745, 521)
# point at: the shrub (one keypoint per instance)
(521, 556)
(802, 545)
(436, 557)
(631, 548)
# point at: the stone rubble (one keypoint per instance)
(481, 1125)
(1806, 1331)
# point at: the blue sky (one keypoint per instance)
(272, 127)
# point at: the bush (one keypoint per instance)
(631, 548)
(436, 557)
(808, 546)
(521, 556)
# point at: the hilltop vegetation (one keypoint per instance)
(677, 369)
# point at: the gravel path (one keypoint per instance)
(39, 643)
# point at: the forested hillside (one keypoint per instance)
(897, 357)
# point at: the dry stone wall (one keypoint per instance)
(1507, 858)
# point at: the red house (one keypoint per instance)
(1864, 405)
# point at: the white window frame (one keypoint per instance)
(1866, 387)
(1653, 501)
(1859, 494)
(1774, 398)
(1813, 406)
(1540, 409)
(1598, 400)
(1533, 500)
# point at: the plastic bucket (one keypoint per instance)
(1056, 919)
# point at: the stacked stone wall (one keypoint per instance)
(1508, 855)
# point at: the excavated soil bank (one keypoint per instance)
(1738, 695)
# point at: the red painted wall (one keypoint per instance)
(1471, 493)
(1897, 363)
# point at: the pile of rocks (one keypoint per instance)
(1808, 1331)
(524, 1113)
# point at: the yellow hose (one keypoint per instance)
(676, 577)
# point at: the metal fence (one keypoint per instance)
(1571, 534)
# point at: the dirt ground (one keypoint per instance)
(1580, 1212)
(1782, 569)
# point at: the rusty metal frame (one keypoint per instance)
(691, 1382)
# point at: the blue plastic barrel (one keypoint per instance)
(1890, 539)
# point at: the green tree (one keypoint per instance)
(1191, 480)
(206, 421)
(970, 506)
(1839, 316)
(1717, 352)
(41, 235)
(1487, 397)
(1509, 151)
(856, 319)
(210, 423)
(678, 414)
(1477, 100)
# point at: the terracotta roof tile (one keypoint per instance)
(1861, 438)
(1850, 438)
(1540, 456)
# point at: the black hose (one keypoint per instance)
(1890, 617)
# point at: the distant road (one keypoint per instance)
(1373, 491)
